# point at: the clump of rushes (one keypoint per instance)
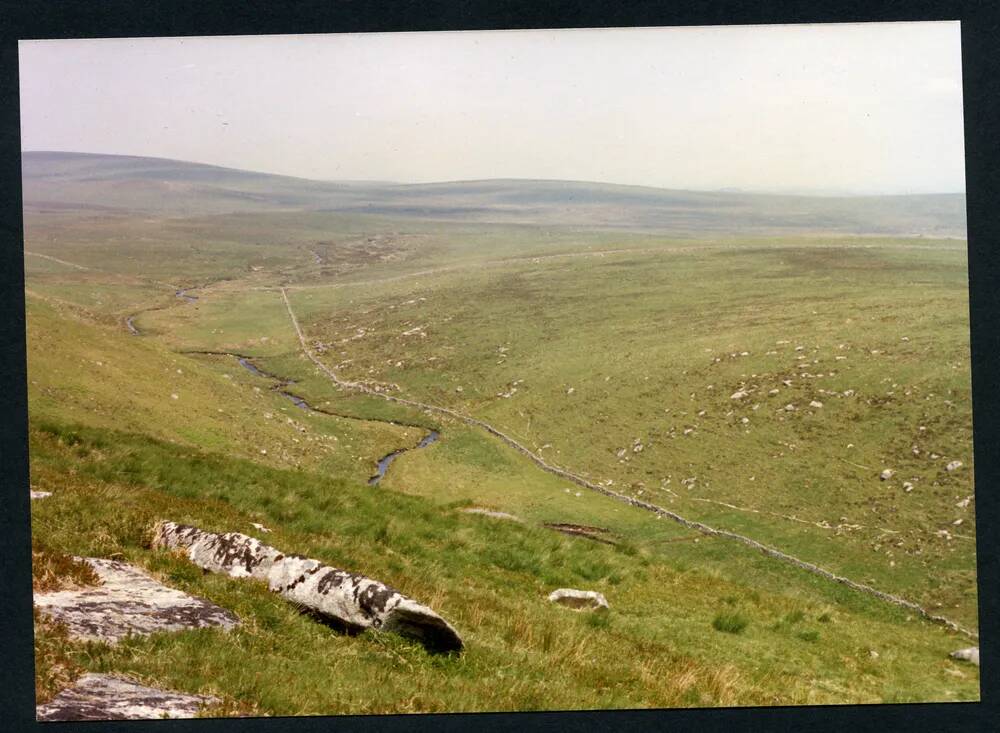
(599, 619)
(794, 617)
(730, 623)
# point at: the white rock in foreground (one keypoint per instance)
(953, 466)
(968, 655)
(40, 494)
(233, 554)
(103, 697)
(578, 600)
(128, 602)
(347, 601)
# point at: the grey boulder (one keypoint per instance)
(128, 601)
(342, 599)
(578, 600)
(104, 697)
(970, 654)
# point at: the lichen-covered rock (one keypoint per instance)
(356, 603)
(967, 655)
(103, 697)
(128, 602)
(233, 554)
(345, 600)
(578, 600)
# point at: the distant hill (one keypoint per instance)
(57, 181)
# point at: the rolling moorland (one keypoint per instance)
(216, 347)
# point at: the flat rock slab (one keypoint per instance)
(128, 602)
(579, 600)
(581, 530)
(103, 697)
(491, 513)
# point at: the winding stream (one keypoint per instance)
(384, 462)
(184, 296)
(130, 321)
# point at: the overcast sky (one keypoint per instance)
(862, 108)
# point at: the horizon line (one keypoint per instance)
(734, 190)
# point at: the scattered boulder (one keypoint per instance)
(816, 404)
(260, 527)
(738, 394)
(104, 697)
(40, 494)
(886, 474)
(347, 601)
(128, 602)
(971, 654)
(907, 486)
(578, 600)
(953, 466)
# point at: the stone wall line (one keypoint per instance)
(638, 503)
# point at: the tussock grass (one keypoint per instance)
(730, 623)
(52, 570)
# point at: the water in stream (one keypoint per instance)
(383, 463)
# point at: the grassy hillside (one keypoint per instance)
(613, 354)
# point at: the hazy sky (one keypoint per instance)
(865, 108)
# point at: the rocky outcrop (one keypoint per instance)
(103, 697)
(967, 655)
(578, 600)
(345, 600)
(128, 601)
